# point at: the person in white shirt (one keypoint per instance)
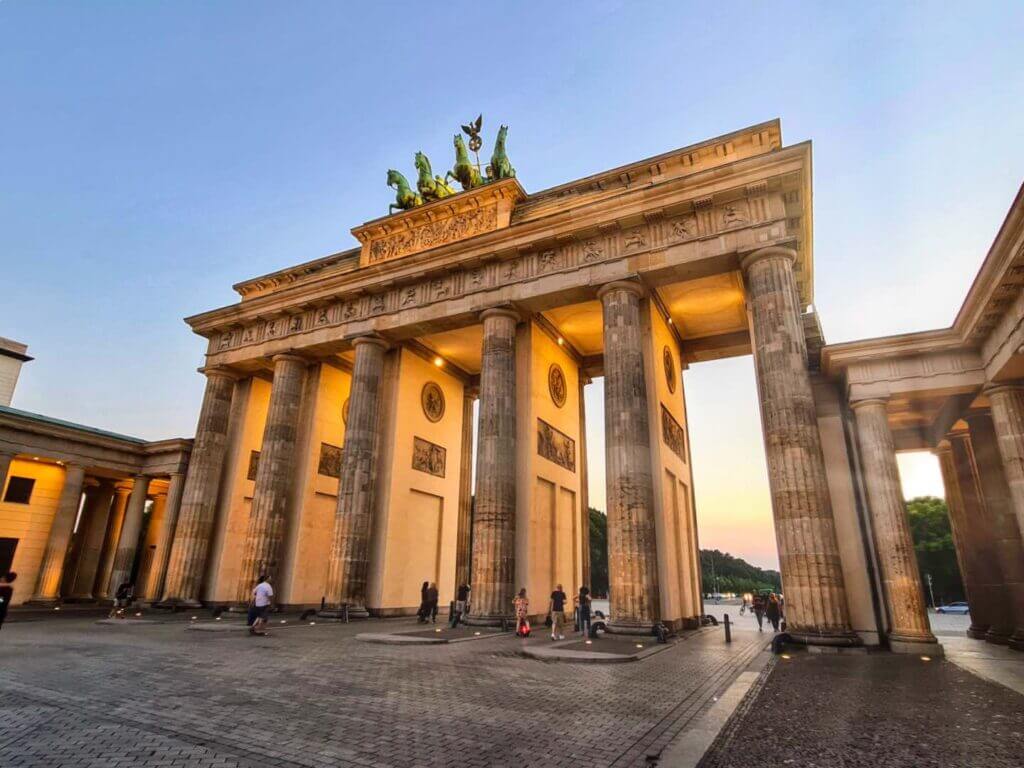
(262, 594)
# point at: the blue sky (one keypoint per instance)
(154, 153)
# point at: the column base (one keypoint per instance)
(630, 628)
(1017, 641)
(977, 631)
(354, 612)
(488, 620)
(833, 639)
(916, 647)
(998, 636)
(43, 602)
(177, 604)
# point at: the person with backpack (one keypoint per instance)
(461, 605)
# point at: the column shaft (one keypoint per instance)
(632, 538)
(274, 476)
(812, 577)
(1008, 624)
(584, 488)
(128, 541)
(111, 537)
(166, 536)
(51, 569)
(463, 543)
(92, 529)
(1007, 403)
(194, 529)
(971, 534)
(494, 518)
(349, 567)
(908, 614)
(5, 466)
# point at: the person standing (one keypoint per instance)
(758, 604)
(556, 608)
(522, 610)
(262, 594)
(421, 614)
(461, 604)
(122, 599)
(432, 598)
(774, 611)
(6, 594)
(583, 611)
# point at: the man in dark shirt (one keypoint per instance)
(557, 610)
(6, 594)
(461, 602)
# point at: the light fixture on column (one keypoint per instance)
(438, 361)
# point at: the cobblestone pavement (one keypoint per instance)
(873, 710)
(79, 694)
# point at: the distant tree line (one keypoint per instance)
(722, 572)
(933, 545)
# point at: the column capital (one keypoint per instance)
(882, 401)
(500, 312)
(621, 285)
(218, 371)
(995, 387)
(471, 393)
(942, 448)
(289, 357)
(373, 339)
(771, 252)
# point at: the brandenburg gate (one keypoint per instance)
(335, 441)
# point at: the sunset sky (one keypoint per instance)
(155, 153)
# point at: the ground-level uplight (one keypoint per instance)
(926, 658)
(785, 656)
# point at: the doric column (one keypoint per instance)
(1007, 402)
(584, 492)
(812, 577)
(971, 535)
(909, 627)
(6, 457)
(51, 569)
(92, 530)
(199, 496)
(632, 539)
(1008, 624)
(494, 518)
(465, 538)
(349, 567)
(111, 537)
(165, 537)
(128, 541)
(275, 475)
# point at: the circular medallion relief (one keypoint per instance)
(556, 384)
(432, 400)
(670, 369)
(344, 411)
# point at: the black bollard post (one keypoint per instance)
(344, 613)
(728, 629)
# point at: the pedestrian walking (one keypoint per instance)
(774, 611)
(759, 611)
(583, 611)
(6, 594)
(461, 604)
(556, 609)
(421, 614)
(522, 610)
(432, 598)
(259, 608)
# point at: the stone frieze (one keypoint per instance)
(556, 446)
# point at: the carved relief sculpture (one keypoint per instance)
(556, 384)
(254, 463)
(556, 446)
(670, 369)
(428, 457)
(432, 400)
(672, 434)
(330, 461)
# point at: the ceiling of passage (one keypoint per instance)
(707, 306)
(461, 346)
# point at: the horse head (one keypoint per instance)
(394, 178)
(502, 133)
(423, 164)
(460, 149)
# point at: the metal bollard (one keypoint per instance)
(344, 613)
(728, 628)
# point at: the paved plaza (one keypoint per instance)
(80, 694)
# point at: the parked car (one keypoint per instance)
(960, 608)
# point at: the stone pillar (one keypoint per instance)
(812, 577)
(275, 475)
(1008, 624)
(632, 539)
(199, 496)
(584, 492)
(112, 535)
(494, 518)
(166, 534)
(128, 541)
(1007, 403)
(909, 627)
(92, 530)
(51, 569)
(465, 538)
(349, 567)
(972, 538)
(6, 457)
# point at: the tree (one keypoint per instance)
(933, 545)
(598, 552)
(734, 574)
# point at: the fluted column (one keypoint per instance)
(1008, 624)
(812, 576)
(128, 541)
(111, 537)
(165, 537)
(584, 488)
(194, 530)
(349, 567)
(275, 475)
(494, 519)
(1007, 402)
(92, 530)
(909, 626)
(51, 569)
(6, 457)
(632, 539)
(465, 538)
(971, 534)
